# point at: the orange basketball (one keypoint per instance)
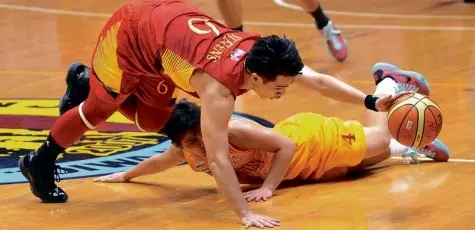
(415, 120)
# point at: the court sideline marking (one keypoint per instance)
(428, 159)
(252, 23)
(285, 4)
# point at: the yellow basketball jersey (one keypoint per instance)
(322, 144)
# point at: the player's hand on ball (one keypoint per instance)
(252, 219)
(112, 178)
(258, 194)
(384, 103)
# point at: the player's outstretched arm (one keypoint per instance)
(217, 106)
(333, 88)
(158, 163)
(252, 136)
(330, 87)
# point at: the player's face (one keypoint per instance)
(193, 143)
(273, 89)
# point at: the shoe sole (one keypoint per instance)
(331, 53)
(22, 167)
(439, 144)
(384, 65)
(71, 79)
(345, 43)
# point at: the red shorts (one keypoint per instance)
(144, 97)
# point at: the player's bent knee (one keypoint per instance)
(377, 139)
(382, 141)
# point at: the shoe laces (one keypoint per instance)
(57, 171)
(330, 31)
(426, 151)
(333, 31)
(414, 153)
(403, 87)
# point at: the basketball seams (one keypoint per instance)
(439, 128)
(432, 104)
(412, 104)
(410, 128)
(419, 96)
(400, 104)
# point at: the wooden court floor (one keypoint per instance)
(39, 39)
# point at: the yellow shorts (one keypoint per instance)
(322, 144)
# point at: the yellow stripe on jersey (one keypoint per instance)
(178, 69)
(105, 61)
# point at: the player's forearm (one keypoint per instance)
(229, 185)
(216, 142)
(330, 87)
(214, 128)
(280, 165)
(338, 90)
(215, 137)
(217, 108)
(148, 166)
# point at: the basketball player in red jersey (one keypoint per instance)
(150, 49)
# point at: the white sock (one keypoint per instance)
(387, 86)
(396, 148)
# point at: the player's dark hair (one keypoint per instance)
(272, 55)
(185, 117)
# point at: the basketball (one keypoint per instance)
(415, 120)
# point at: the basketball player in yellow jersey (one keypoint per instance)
(306, 146)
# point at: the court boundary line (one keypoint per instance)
(428, 159)
(250, 23)
(53, 11)
(287, 5)
(350, 26)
